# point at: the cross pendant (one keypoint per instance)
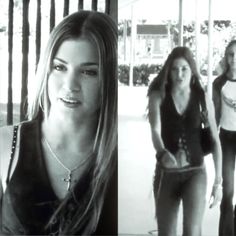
(68, 180)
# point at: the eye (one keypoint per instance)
(186, 68)
(89, 72)
(58, 67)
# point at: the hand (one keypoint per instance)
(168, 160)
(216, 195)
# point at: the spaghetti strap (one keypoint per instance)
(13, 148)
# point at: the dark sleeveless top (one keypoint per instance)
(186, 127)
(29, 201)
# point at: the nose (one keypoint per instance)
(72, 82)
(179, 73)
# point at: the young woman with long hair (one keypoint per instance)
(224, 97)
(174, 113)
(58, 170)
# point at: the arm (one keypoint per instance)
(216, 96)
(217, 152)
(155, 120)
(162, 154)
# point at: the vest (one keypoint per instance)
(185, 127)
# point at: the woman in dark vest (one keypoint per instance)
(224, 97)
(58, 170)
(175, 119)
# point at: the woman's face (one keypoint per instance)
(73, 83)
(180, 73)
(231, 57)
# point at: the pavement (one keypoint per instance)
(136, 169)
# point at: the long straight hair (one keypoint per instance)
(100, 29)
(162, 81)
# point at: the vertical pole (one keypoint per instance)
(52, 15)
(111, 9)
(25, 50)
(125, 38)
(197, 34)
(107, 6)
(81, 5)
(94, 5)
(38, 32)
(10, 46)
(180, 22)
(132, 46)
(66, 8)
(210, 48)
(169, 37)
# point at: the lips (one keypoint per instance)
(70, 102)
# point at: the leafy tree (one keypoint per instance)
(121, 26)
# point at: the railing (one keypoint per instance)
(27, 30)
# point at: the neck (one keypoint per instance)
(69, 135)
(180, 90)
(232, 74)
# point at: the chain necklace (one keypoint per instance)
(68, 180)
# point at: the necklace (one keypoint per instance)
(230, 102)
(68, 180)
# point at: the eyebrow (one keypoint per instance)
(83, 64)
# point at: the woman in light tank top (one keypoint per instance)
(224, 97)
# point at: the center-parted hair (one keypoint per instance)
(100, 29)
(163, 80)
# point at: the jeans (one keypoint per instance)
(170, 188)
(227, 211)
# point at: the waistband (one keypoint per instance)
(180, 170)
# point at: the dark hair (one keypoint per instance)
(163, 80)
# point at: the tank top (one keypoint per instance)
(29, 200)
(228, 101)
(184, 128)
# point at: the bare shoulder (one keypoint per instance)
(6, 134)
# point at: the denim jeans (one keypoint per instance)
(227, 221)
(170, 188)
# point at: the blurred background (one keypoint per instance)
(148, 31)
(24, 29)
